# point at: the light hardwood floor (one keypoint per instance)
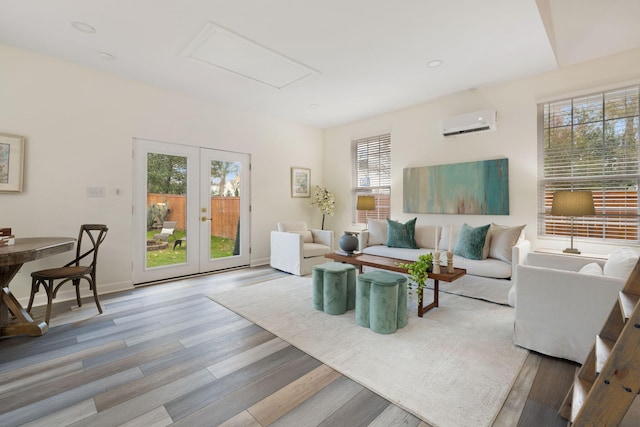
(168, 355)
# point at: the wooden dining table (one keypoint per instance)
(14, 319)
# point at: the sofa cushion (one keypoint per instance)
(471, 241)
(449, 238)
(307, 236)
(487, 245)
(292, 226)
(310, 250)
(377, 232)
(427, 236)
(620, 263)
(592, 268)
(401, 235)
(501, 240)
(398, 253)
(491, 268)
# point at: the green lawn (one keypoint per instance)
(220, 247)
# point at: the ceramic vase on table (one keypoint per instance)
(348, 243)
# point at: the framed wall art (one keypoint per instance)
(300, 182)
(11, 163)
(472, 188)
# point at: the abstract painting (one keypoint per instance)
(472, 188)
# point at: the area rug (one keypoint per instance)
(452, 367)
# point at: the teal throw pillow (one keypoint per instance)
(471, 241)
(401, 235)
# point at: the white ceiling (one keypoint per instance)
(366, 57)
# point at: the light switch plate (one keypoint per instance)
(96, 192)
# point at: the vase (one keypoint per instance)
(348, 243)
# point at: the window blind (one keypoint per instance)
(371, 160)
(592, 143)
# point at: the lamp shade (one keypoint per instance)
(572, 203)
(366, 203)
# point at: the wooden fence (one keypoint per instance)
(225, 212)
(618, 222)
(382, 211)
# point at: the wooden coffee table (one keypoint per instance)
(391, 264)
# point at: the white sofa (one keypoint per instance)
(296, 248)
(490, 278)
(562, 301)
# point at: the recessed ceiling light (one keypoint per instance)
(313, 106)
(435, 63)
(83, 26)
(106, 56)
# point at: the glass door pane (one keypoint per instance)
(166, 198)
(224, 208)
(166, 210)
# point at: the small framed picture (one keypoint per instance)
(11, 163)
(300, 181)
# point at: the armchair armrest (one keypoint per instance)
(286, 242)
(363, 239)
(560, 262)
(323, 237)
(286, 250)
(519, 254)
(559, 312)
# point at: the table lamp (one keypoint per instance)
(572, 204)
(366, 203)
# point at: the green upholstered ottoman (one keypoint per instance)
(381, 301)
(334, 287)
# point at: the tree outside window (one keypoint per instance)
(592, 143)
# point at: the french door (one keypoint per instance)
(191, 210)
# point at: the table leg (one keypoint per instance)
(7, 272)
(23, 324)
(424, 308)
(9, 305)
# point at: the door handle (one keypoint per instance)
(205, 219)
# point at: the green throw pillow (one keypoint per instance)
(402, 235)
(471, 241)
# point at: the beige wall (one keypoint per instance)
(79, 125)
(416, 141)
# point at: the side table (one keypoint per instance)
(580, 255)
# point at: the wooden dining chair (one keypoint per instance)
(92, 235)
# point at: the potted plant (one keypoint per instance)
(324, 200)
(418, 273)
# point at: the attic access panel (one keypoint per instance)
(221, 48)
(471, 188)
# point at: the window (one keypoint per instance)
(371, 159)
(592, 143)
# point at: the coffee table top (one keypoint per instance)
(391, 264)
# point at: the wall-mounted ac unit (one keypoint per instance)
(479, 121)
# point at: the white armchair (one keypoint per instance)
(562, 302)
(296, 249)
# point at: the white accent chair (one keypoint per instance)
(296, 249)
(562, 302)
